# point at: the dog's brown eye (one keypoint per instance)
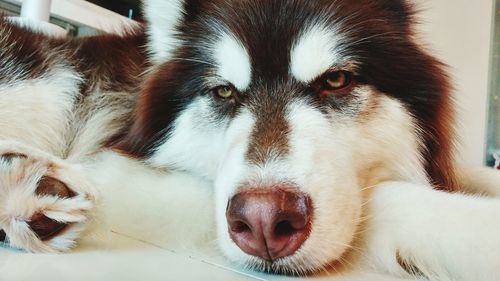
(334, 82)
(224, 92)
(337, 80)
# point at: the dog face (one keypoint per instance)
(294, 109)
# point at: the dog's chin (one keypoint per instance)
(298, 265)
(283, 266)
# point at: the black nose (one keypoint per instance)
(270, 224)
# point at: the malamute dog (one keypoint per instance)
(324, 127)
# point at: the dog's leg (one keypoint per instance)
(480, 180)
(45, 203)
(442, 236)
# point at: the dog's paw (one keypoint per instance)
(45, 204)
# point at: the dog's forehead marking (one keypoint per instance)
(313, 53)
(233, 61)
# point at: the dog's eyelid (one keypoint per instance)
(334, 68)
(334, 71)
(335, 81)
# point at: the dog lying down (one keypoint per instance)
(324, 129)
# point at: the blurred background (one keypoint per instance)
(493, 145)
(123, 7)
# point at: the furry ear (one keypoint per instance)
(163, 19)
(160, 101)
(400, 10)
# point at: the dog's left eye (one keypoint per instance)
(334, 82)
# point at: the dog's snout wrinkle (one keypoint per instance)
(269, 224)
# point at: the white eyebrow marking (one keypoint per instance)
(314, 53)
(233, 61)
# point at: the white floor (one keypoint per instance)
(128, 259)
(141, 235)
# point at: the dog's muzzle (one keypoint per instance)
(269, 223)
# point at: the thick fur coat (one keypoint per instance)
(323, 127)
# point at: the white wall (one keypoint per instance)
(83, 13)
(459, 32)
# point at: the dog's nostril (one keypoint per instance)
(240, 227)
(284, 228)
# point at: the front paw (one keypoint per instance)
(45, 204)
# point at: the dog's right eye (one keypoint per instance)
(224, 92)
(335, 82)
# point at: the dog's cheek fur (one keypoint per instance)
(382, 124)
(341, 162)
(195, 140)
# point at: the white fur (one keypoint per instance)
(320, 159)
(173, 210)
(314, 52)
(37, 111)
(165, 16)
(193, 137)
(231, 172)
(95, 121)
(480, 181)
(446, 236)
(233, 61)
(374, 155)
